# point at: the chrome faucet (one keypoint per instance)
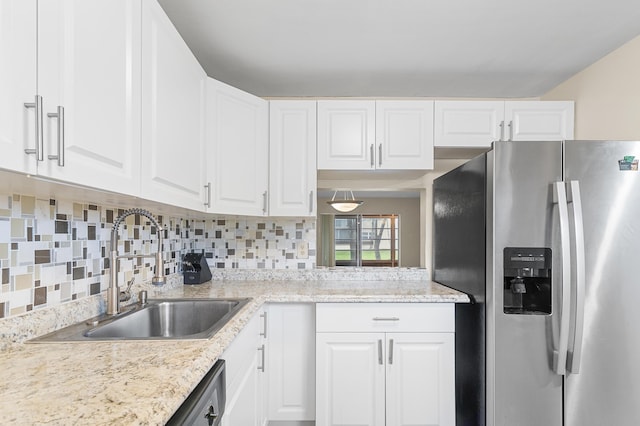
(113, 293)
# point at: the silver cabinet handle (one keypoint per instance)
(502, 130)
(560, 355)
(511, 130)
(380, 360)
(264, 202)
(386, 319)
(575, 351)
(60, 133)
(39, 149)
(310, 201)
(261, 367)
(264, 324)
(380, 155)
(390, 351)
(371, 154)
(208, 188)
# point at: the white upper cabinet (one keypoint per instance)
(82, 124)
(468, 123)
(173, 105)
(475, 124)
(88, 77)
(366, 135)
(18, 84)
(346, 135)
(542, 121)
(404, 133)
(292, 158)
(237, 150)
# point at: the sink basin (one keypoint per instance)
(157, 320)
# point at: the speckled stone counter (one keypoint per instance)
(134, 382)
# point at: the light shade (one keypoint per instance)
(345, 205)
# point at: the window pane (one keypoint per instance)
(378, 240)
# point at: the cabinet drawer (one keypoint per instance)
(385, 317)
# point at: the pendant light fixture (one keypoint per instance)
(345, 205)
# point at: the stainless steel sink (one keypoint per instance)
(157, 320)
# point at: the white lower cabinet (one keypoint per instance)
(291, 363)
(385, 364)
(244, 366)
(350, 385)
(419, 379)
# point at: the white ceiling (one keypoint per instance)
(398, 48)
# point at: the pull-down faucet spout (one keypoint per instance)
(113, 293)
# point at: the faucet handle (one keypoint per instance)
(129, 284)
(126, 294)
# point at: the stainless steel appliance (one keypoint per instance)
(545, 239)
(206, 403)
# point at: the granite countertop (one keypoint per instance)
(144, 382)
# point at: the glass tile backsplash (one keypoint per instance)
(53, 251)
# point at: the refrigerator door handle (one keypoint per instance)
(575, 351)
(560, 355)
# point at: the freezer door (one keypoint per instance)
(606, 390)
(522, 388)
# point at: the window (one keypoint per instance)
(367, 240)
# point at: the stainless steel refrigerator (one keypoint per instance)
(545, 238)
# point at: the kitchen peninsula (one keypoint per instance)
(144, 382)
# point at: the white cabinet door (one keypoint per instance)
(350, 379)
(547, 120)
(291, 362)
(472, 124)
(414, 346)
(88, 76)
(368, 135)
(404, 134)
(292, 158)
(237, 150)
(17, 84)
(475, 124)
(346, 135)
(243, 405)
(420, 379)
(244, 362)
(172, 157)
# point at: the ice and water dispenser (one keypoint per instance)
(527, 280)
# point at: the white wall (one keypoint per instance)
(606, 95)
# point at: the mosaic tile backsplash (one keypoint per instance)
(54, 251)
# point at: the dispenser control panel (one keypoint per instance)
(527, 280)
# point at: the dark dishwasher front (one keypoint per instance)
(205, 405)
